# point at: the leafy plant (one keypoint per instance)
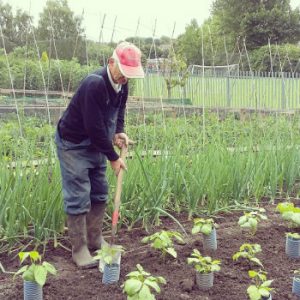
(203, 264)
(204, 226)
(251, 219)
(108, 252)
(283, 207)
(139, 284)
(261, 288)
(163, 241)
(289, 213)
(248, 252)
(37, 271)
(293, 235)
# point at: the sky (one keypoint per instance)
(133, 17)
(154, 18)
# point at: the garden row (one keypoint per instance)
(141, 285)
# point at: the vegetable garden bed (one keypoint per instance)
(230, 283)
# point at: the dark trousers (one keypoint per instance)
(83, 175)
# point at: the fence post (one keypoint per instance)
(282, 91)
(228, 91)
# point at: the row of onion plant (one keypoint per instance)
(177, 165)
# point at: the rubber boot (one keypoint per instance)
(94, 222)
(77, 233)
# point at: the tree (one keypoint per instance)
(174, 71)
(276, 58)
(58, 24)
(14, 28)
(189, 44)
(22, 28)
(6, 20)
(258, 21)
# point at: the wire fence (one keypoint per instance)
(258, 90)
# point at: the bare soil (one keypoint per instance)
(229, 284)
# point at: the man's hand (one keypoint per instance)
(121, 140)
(117, 165)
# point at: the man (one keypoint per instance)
(86, 134)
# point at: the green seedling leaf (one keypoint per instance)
(264, 292)
(145, 293)
(132, 286)
(253, 293)
(35, 256)
(172, 252)
(267, 283)
(153, 284)
(287, 216)
(296, 218)
(196, 229)
(252, 273)
(50, 268)
(28, 275)
(284, 207)
(140, 283)
(253, 222)
(242, 220)
(23, 256)
(20, 271)
(161, 279)
(257, 261)
(206, 229)
(40, 275)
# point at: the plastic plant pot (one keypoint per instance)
(32, 291)
(296, 285)
(210, 241)
(111, 272)
(205, 281)
(292, 247)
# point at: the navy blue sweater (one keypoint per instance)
(85, 115)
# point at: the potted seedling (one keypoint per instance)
(296, 283)
(251, 219)
(34, 275)
(261, 289)
(163, 241)
(110, 256)
(208, 228)
(139, 284)
(248, 252)
(292, 245)
(205, 267)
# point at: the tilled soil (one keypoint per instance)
(229, 284)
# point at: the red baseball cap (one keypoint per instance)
(128, 57)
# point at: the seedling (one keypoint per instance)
(289, 213)
(37, 271)
(108, 252)
(203, 264)
(248, 252)
(251, 219)
(139, 284)
(204, 226)
(293, 235)
(261, 288)
(163, 241)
